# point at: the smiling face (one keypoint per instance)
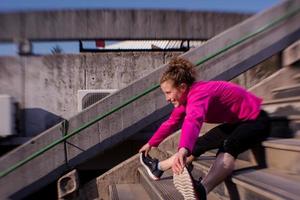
(172, 93)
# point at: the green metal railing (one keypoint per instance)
(147, 91)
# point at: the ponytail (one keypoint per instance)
(180, 71)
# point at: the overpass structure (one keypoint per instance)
(114, 24)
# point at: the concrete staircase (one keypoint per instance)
(142, 113)
(272, 172)
(128, 192)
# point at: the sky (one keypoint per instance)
(252, 6)
(227, 5)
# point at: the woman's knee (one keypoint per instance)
(227, 160)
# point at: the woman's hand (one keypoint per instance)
(179, 161)
(146, 148)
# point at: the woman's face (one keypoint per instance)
(173, 94)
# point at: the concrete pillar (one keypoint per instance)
(24, 47)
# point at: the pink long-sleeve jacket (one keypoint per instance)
(211, 102)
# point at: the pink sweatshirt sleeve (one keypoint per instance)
(168, 127)
(195, 112)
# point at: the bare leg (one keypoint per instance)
(166, 164)
(221, 168)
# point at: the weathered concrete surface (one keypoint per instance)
(283, 77)
(291, 54)
(132, 118)
(115, 24)
(12, 77)
(36, 166)
(46, 86)
(259, 72)
(126, 172)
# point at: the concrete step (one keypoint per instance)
(291, 55)
(245, 186)
(266, 184)
(283, 107)
(277, 153)
(282, 126)
(248, 155)
(163, 189)
(283, 154)
(287, 91)
(283, 77)
(296, 77)
(281, 101)
(290, 87)
(295, 125)
(226, 190)
(128, 192)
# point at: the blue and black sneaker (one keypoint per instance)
(150, 165)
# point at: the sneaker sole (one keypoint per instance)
(184, 184)
(147, 169)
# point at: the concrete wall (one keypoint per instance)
(115, 24)
(46, 86)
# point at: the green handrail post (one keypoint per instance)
(64, 132)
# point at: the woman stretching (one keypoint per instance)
(243, 125)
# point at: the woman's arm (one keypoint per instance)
(195, 114)
(168, 127)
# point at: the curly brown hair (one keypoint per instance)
(180, 71)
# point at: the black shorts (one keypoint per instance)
(234, 138)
